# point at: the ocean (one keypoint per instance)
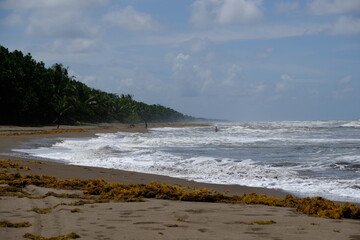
(305, 158)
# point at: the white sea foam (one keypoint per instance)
(285, 156)
(355, 124)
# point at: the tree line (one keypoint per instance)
(31, 93)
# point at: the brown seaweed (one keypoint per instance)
(105, 191)
(8, 224)
(62, 237)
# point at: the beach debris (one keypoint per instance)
(10, 163)
(13, 191)
(99, 190)
(8, 224)
(75, 210)
(171, 225)
(57, 131)
(62, 237)
(180, 220)
(41, 210)
(36, 161)
(261, 222)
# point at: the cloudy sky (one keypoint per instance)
(240, 60)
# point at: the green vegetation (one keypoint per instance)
(30, 93)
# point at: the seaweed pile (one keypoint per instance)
(14, 225)
(54, 131)
(8, 164)
(102, 191)
(62, 237)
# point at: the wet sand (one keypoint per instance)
(151, 219)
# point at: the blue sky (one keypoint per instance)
(245, 60)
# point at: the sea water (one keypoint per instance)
(312, 158)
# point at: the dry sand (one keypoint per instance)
(152, 219)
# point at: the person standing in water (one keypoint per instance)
(216, 129)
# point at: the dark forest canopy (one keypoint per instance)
(31, 93)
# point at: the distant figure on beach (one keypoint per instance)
(216, 129)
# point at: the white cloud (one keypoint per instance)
(233, 82)
(313, 93)
(285, 7)
(55, 23)
(260, 31)
(205, 76)
(260, 88)
(78, 45)
(210, 57)
(201, 13)
(179, 62)
(203, 73)
(196, 45)
(346, 79)
(327, 7)
(48, 4)
(234, 75)
(284, 83)
(299, 69)
(54, 18)
(12, 19)
(192, 78)
(90, 80)
(286, 77)
(207, 12)
(198, 78)
(265, 54)
(239, 11)
(68, 50)
(345, 26)
(182, 57)
(131, 19)
(127, 82)
(342, 93)
(139, 82)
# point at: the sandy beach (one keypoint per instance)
(151, 218)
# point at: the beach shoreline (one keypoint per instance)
(158, 219)
(7, 143)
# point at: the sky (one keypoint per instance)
(240, 60)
